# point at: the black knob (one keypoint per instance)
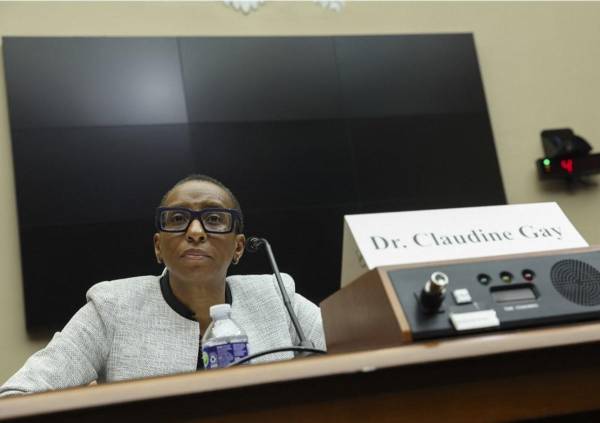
(434, 292)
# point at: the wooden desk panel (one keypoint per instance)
(499, 377)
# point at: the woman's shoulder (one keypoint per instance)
(260, 283)
(124, 290)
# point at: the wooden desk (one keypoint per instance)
(500, 377)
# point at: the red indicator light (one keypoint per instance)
(528, 275)
(567, 165)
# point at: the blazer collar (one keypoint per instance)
(178, 306)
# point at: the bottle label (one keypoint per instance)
(219, 356)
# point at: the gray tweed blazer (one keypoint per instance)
(127, 330)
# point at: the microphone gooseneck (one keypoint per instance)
(253, 244)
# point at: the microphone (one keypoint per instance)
(253, 244)
(303, 346)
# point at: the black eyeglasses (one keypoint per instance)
(213, 220)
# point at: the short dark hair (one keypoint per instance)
(205, 178)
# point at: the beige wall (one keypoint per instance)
(539, 61)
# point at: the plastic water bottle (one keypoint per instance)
(224, 342)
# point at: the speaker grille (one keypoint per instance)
(577, 281)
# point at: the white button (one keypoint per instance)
(462, 296)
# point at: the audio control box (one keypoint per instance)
(395, 305)
(501, 294)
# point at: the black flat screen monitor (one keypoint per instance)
(302, 129)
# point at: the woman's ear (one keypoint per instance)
(240, 245)
(156, 240)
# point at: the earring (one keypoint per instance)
(235, 260)
(158, 260)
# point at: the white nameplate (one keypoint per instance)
(474, 320)
(385, 239)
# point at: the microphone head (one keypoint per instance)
(253, 244)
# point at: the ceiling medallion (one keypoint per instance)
(247, 6)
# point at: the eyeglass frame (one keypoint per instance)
(197, 215)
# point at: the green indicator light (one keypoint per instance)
(546, 162)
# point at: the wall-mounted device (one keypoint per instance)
(566, 156)
(394, 305)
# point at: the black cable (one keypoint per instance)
(276, 350)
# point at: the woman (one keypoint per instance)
(153, 325)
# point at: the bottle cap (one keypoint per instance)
(219, 311)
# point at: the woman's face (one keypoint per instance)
(194, 255)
